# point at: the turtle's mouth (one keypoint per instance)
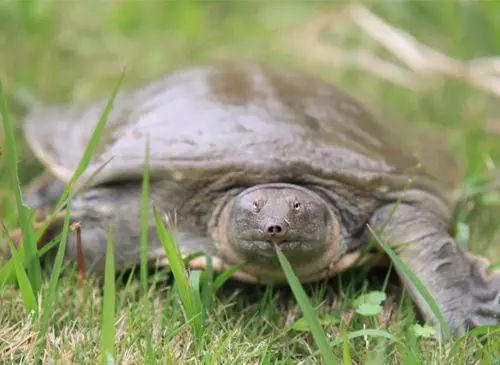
(295, 250)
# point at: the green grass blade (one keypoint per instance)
(307, 310)
(108, 306)
(50, 296)
(23, 281)
(187, 259)
(475, 332)
(87, 154)
(90, 179)
(8, 272)
(144, 222)
(150, 354)
(85, 159)
(192, 307)
(96, 135)
(28, 233)
(63, 202)
(207, 284)
(226, 275)
(195, 280)
(175, 260)
(424, 292)
(346, 350)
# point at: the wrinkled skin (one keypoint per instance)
(248, 160)
(292, 218)
(296, 220)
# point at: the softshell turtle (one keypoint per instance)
(248, 159)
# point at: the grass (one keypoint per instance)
(31, 259)
(445, 331)
(144, 222)
(108, 305)
(25, 287)
(308, 311)
(50, 294)
(191, 301)
(241, 324)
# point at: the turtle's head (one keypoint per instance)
(291, 217)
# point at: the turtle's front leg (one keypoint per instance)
(100, 209)
(43, 193)
(465, 294)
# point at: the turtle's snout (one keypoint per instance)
(276, 229)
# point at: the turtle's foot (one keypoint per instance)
(465, 293)
(52, 228)
(470, 301)
(485, 295)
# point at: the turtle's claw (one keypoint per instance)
(485, 289)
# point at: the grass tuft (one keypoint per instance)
(25, 287)
(346, 350)
(50, 295)
(31, 259)
(191, 301)
(207, 290)
(226, 275)
(307, 310)
(108, 306)
(31, 255)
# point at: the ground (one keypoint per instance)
(54, 52)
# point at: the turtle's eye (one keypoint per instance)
(296, 206)
(256, 206)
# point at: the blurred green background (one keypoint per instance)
(65, 51)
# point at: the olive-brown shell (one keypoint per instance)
(241, 125)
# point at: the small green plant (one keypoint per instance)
(425, 331)
(369, 304)
(302, 325)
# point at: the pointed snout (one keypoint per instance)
(276, 229)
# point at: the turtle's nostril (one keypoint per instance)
(275, 229)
